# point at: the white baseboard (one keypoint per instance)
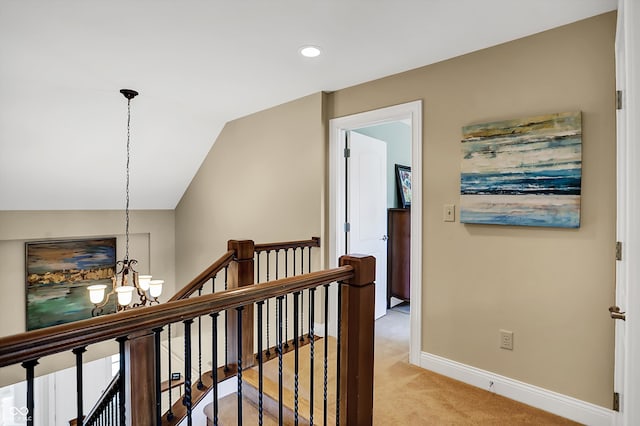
(553, 402)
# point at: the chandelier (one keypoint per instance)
(126, 280)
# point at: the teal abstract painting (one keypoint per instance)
(525, 171)
(58, 274)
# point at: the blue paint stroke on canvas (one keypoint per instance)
(523, 172)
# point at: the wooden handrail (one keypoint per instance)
(35, 344)
(226, 259)
(313, 242)
(206, 275)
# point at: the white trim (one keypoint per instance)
(622, 169)
(337, 127)
(628, 79)
(553, 402)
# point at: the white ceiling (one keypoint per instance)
(197, 65)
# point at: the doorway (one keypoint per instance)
(410, 113)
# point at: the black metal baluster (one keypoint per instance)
(338, 321)
(326, 349)
(214, 355)
(186, 400)
(121, 385)
(170, 413)
(258, 268)
(214, 364)
(302, 298)
(311, 336)
(30, 367)
(268, 266)
(226, 323)
(79, 410)
(312, 341)
(293, 260)
(156, 337)
(239, 375)
(268, 352)
(286, 299)
(200, 384)
(296, 359)
(279, 315)
(260, 367)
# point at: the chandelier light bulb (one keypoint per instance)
(125, 295)
(143, 282)
(96, 293)
(155, 288)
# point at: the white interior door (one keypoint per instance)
(367, 207)
(627, 369)
(621, 222)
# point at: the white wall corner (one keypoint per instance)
(543, 399)
(318, 329)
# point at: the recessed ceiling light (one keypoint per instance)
(310, 51)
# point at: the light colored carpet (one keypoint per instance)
(405, 394)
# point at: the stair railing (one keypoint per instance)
(106, 410)
(278, 260)
(137, 333)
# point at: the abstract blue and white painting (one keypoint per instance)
(525, 171)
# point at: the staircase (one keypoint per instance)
(271, 408)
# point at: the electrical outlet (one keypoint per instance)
(506, 339)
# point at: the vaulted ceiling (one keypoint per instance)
(197, 65)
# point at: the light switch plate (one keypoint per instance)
(449, 213)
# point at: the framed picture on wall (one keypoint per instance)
(403, 181)
(58, 274)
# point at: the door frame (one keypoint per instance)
(337, 180)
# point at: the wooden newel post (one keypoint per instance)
(140, 379)
(356, 341)
(240, 275)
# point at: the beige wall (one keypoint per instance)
(551, 287)
(152, 243)
(262, 180)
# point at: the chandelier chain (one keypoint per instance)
(126, 255)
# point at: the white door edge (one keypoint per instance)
(337, 128)
(627, 371)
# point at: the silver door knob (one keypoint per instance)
(384, 238)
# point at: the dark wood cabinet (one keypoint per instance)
(398, 254)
